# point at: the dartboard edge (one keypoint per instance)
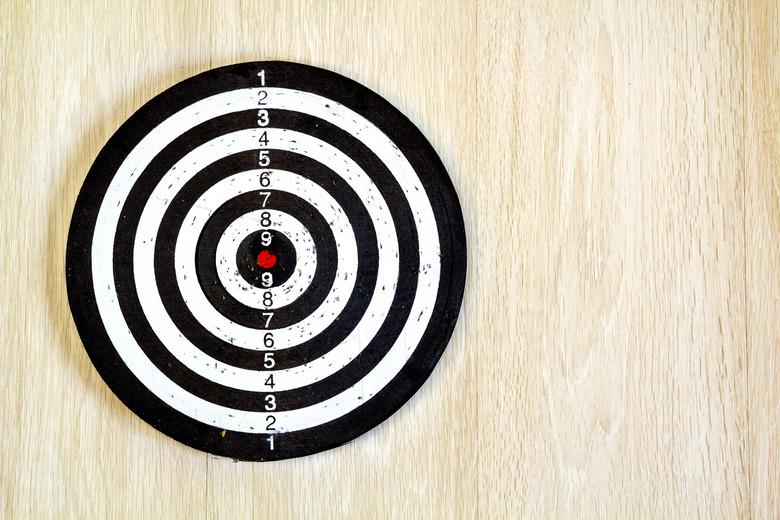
(266, 260)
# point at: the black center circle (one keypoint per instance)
(272, 247)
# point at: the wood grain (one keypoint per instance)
(618, 352)
(762, 231)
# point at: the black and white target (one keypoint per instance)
(266, 261)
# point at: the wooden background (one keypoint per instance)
(618, 353)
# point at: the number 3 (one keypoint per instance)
(262, 117)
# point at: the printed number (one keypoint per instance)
(269, 423)
(269, 382)
(271, 442)
(261, 75)
(265, 219)
(265, 195)
(263, 139)
(268, 360)
(267, 279)
(262, 95)
(268, 339)
(265, 237)
(265, 179)
(268, 316)
(268, 298)
(262, 117)
(263, 159)
(270, 403)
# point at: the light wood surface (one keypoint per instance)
(618, 352)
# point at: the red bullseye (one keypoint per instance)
(266, 259)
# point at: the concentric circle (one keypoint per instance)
(250, 261)
(266, 261)
(259, 251)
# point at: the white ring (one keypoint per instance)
(228, 375)
(227, 254)
(187, 279)
(151, 376)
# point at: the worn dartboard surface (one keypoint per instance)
(266, 261)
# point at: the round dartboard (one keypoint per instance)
(266, 261)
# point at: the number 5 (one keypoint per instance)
(263, 159)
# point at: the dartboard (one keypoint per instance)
(266, 261)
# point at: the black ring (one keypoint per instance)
(206, 257)
(221, 350)
(251, 446)
(347, 375)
